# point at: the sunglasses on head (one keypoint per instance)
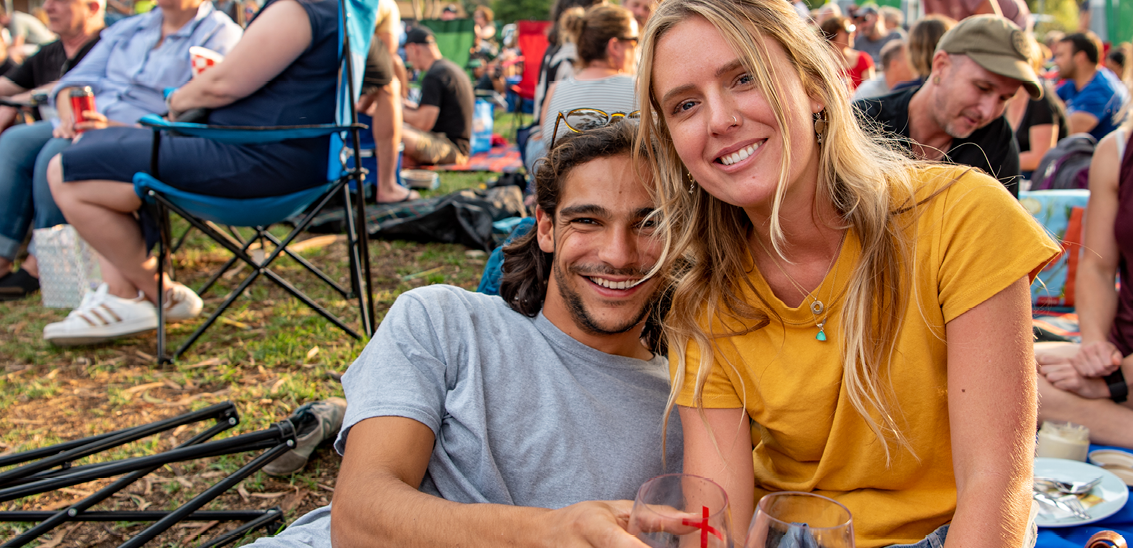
(581, 119)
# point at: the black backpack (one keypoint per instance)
(1066, 165)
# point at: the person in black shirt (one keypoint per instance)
(78, 23)
(438, 130)
(957, 115)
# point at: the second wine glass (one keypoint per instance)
(792, 519)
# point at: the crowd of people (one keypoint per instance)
(753, 259)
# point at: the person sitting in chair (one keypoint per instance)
(127, 70)
(564, 339)
(284, 72)
(437, 130)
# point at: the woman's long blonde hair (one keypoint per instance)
(868, 183)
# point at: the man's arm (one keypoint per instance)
(9, 88)
(987, 7)
(422, 117)
(1096, 299)
(1081, 122)
(377, 502)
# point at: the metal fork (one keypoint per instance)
(1068, 503)
(1069, 487)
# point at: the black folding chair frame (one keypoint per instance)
(38, 474)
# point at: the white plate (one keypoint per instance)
(1110, 489)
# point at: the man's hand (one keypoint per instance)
(590, 524)
(66, 127)
(94, 120)
(1097, 359)
(1064, 376)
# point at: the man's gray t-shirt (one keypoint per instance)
(523, 414)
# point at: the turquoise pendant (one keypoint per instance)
(820, 336)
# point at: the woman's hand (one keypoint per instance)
(1096, 359)
(1065, 376)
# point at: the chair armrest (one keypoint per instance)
(242, 135)
(6, 102)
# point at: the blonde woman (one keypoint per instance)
(845, 322)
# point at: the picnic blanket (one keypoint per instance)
(499, 159)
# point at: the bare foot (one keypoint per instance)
(402, 195)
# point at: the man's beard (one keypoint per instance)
(579, 311)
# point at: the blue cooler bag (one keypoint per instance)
(481, 127)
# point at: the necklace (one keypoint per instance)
(817, 307)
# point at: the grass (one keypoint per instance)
(268, 355)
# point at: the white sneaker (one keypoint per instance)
(181, 303)
(102, 317)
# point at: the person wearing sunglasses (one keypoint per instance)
(606, 38)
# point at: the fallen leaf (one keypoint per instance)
(234, 323)
(150, 399)
(144, 356)
(326, 487)
(276, 386)
(184, 482)
(316, 242)
(142, 387)
(58, 537)
(268, 495)
(200, 530)
(294, 500)
(206, 363)
(240, 490)
(313, 352)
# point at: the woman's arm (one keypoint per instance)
(1096, 300)
(1043, 137)
(992, 374)
(725, 457)
(279, 35)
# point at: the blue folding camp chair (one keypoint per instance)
(356, 26)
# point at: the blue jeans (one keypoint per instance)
(25, 198)
(936, 539)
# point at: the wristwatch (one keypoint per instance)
(1116, 383)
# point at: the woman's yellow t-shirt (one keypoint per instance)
(973, 241)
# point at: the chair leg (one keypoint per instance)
(366, 305)
(163, 256)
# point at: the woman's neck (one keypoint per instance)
(596, 70)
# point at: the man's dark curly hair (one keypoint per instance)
(526, 269)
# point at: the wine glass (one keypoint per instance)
(681, 510)
(792, 519)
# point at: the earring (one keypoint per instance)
(820, 119)
(937, 80)
(692, 183)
